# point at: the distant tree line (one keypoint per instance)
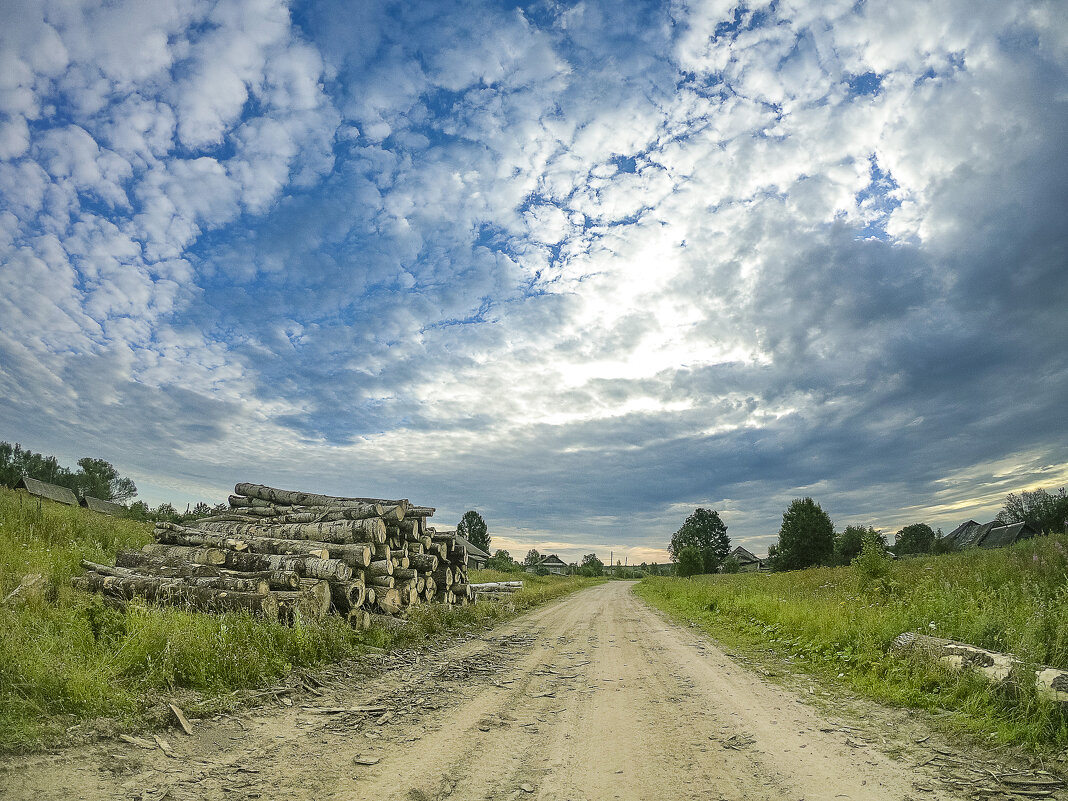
(807, 537)
(94, 477)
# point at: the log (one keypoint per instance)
(360, 619)
(388, 622)
(443, 576)
(174, 592)
(384, 582)
(276, 579)
(998, 668)
(425, 563)
(339, 532)
(199, 556)
(347, 595)
(295, 498)
(303, 566)
(503, 586)
(311, 602)
(382, 567)
(173, 567)
(388, 600)
(258, 586)
(194, 537)
(463, 591)
(405, 573)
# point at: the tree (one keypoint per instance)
(690, 561)
(732, 565)
(1039, 509)
(806, 537)
(847, 545)
(533, 557)
(705, 531)
(473, 528)
(591, 565)
(503, 561)
(914, 538)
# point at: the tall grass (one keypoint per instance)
(67, 658)
(842, 620)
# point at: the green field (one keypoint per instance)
(837, 623)
(66, 659)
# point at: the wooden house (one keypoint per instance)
(553, 563)
(102, 506)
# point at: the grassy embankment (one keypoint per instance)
(66, 659)
(838, 623)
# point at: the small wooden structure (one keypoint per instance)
(552, 563)
(42, 489)
(747, 561)
(102, 506)
(476, 557)
(989, 535)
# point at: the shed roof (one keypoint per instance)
(744, 556)
(1000, 536)
(956, 533)
(472, 549)
(100, 505)
(43, 489)
(551, 559)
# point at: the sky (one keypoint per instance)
(581, 267)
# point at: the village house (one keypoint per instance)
(747, 561)
(42, 489)
(553, 563)
(989, 535)
(476, 557)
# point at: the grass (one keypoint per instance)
(67, 659)
(838, 623)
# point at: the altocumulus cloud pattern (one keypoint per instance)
(583, 266)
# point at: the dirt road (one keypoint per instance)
(592, 697)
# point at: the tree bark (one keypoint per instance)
(382, 567)
(387, 622)
(347, 595)
(388, 600)
(199, 556)
(425, 563)
(174, 592)
(340, 532)
(169, 567)
(312, 602)
(295, 498)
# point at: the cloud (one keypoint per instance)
(584, 268)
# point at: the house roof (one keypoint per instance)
(44, 490)
(742, 555)
(472, 550)
(956, 533)
(551, 559)
(1000, 536)
(100, 505)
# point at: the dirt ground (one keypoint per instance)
(592, 697)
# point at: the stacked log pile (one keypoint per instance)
(293, 555)
(496, 590)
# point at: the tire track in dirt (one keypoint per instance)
(591, 697)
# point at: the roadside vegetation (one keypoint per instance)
(67, 659)
(838, 623)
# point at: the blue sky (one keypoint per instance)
(582, 267)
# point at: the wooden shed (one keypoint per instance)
(748, 562)
(553, 563)
(989, 535)
(476, 557)
(42, 489)
(102, 506)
